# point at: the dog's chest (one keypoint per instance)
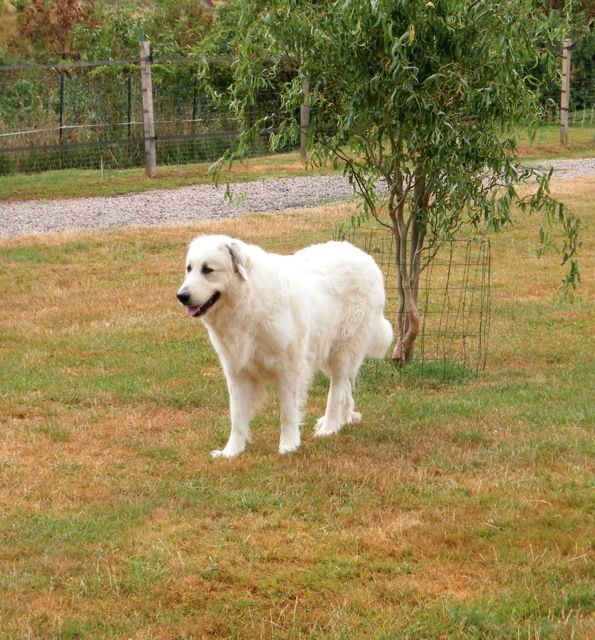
(256, 354)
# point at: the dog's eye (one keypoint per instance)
(206, 270)
(188, 268)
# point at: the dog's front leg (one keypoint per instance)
(293, 396)
(245, 395)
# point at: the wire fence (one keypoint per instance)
(583, 117)
(90, 115)
(453, 299)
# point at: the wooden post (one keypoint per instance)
(304, 119)
(148, 118)
(565, 93)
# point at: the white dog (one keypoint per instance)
(277, 319)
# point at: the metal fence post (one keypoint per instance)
(304, 119)
(194, 103)
(61, 133)
(148, 118)
(565, 91)
(129, 104)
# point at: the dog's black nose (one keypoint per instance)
(183, 297)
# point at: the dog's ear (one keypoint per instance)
(238, 260)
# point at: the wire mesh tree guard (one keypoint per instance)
(454, 299)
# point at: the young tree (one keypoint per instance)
(424, 96)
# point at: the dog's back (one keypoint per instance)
(351, 283)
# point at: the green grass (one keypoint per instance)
(545, 142)
(461, 508)
(74, 183)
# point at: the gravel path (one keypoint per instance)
(201, 202)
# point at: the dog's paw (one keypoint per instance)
(322, 428)
(225, 453)
(355, 417)
(288, 447)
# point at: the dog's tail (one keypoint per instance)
(381, 339)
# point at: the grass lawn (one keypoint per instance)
(73, 183)
(456, 510)
(545, 144)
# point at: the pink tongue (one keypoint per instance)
(192, 311)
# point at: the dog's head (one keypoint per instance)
(214, 264)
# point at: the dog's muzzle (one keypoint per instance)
(198, 310)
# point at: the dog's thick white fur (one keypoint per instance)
(278, 320)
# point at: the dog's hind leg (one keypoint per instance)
(339, 407)
(340, 404)
(246, 395)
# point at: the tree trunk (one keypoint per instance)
(408, 271)
(408, 286)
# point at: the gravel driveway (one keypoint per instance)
(201, 202)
